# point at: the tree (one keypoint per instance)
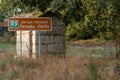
(72, 10)
(10, 8)
(89, 17)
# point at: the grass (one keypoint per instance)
(90, 48)
(83, 48)
(9, 76)
(55, 68)
(97, 51)
(83, 62)
(7, 48)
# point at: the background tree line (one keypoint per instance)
(85, 19)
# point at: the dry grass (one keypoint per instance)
(55, 68)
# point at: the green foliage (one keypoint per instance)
(35, 5)
(7, 36)
(72, 10)
(10, 8)
(80, 31)
(86, 18)
(101, 19)
(3, 30)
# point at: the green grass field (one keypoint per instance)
(89, 51)
(7, 48)
(96, 51)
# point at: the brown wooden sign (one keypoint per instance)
(42, 24)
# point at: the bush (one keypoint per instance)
(88, 30)
(78, 30)
(7, 36)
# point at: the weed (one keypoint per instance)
(3, 64)
(94, 72)
(5, 61)
(9, 76)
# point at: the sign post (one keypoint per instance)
(30, 24)
(21, 44)
(39, 44)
